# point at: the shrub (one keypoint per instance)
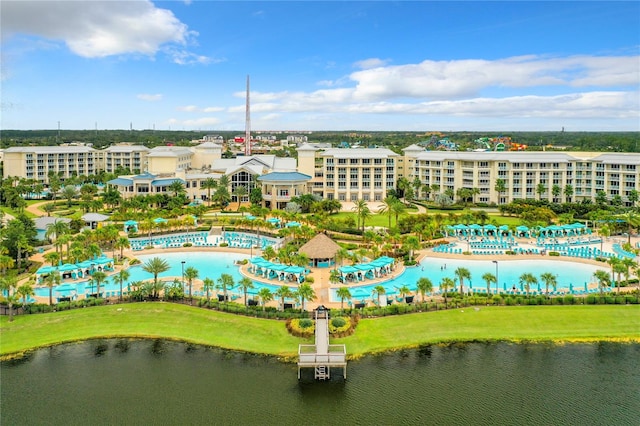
(568, 299)
(295, 327)
(554, 253)
(224, 244)
(341, 326)
(510, 252)
(305, 323)
(187, 245)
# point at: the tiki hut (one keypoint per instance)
(321, 251)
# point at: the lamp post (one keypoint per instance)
(183, 262)
(497, 280)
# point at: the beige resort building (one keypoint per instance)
(343, 174)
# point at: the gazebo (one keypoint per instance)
(321, 251)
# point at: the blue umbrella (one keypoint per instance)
(571, 288)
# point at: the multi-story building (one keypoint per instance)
(526, 175)
(36, 162)
(349, 174)
(125, 156)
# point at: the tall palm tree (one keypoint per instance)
(404, 292)
(207, 285)
(424, 286)
(462, 274)
(155, 266)
(489, 278)
(97, 278)
(343, 293)
(209, 184)
(53, 279)
(613, 262)
(240, 191)
(379, 291)
(386, 207)
(265, 296)
(25, 291)
(628, 265)
(549, 280)
(121, 243)
(358, 208)
(305, 292)
(603, 278)
(283, 292)
(411, 244)
(190, 274)
(335, 276)
(527, 280)
(9, 283)
(246, 284)
(120, 278)
(446, 284)
(225, 282)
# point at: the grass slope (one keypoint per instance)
(179, 322)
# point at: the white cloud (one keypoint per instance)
(201, 122)
(149, 97)
(213, 109)
(188, 108)
(371, 63)
(97, 28)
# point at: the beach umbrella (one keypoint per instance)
(570, 287)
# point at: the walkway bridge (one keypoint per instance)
(322, 356)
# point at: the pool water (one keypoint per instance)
(509, 271)
(213, 264)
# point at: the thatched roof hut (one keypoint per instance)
(321, 250)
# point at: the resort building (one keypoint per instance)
(349, 174)
(525, 174)
(125, 156)
(279, 187)
(36, 162)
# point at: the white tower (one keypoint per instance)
(247, 125)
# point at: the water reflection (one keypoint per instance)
(454, 384)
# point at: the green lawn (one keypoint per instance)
(180, 322)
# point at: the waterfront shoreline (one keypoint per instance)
(368, 339)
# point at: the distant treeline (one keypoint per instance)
(574, 141)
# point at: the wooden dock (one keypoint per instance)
(322, 356)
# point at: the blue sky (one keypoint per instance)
(414, 66)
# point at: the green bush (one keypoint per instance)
(554, 253)
(568, 299)
(338, 322)
(306, 323)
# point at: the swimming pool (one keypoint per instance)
(509, 271)
(208, 264)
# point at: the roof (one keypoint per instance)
(506, 156)
(320, 247)
(208, 145)
(169, 151)
(413, 148)
(306, 147)
(166, 181)
(43, 222)
(615, 158)
(126, 148)
(121, 182)
(359, 153)
(94, 217)
(284, 177)
(51, 149)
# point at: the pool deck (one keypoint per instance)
(322, 286)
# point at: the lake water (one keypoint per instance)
(160, 382)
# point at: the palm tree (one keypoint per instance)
(190, 273)
(69, 192)
(462, 274)
(120, 278)
(343, 293)
(603, 278)
(335, 277)
(489, 278)
(614, 262)
(549, 280)
(527, 279)
(628, 264)
(446, 284)
(209, 184)
(424, 286)
(97, 278)
(121, 243)
(398, 209)
(9, 283)
(283, 292)
(305, 292)
(386, 207)
(246, 284)
(208, 285)
(225, 282)
(53, 279)
(6, 262)
(265, 296)
(26, 290)
(379, 291)
(404, 291)
(412, 243)
(358, 208)
(155, 266)
(240, 191)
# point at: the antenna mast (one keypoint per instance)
(247, 125)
